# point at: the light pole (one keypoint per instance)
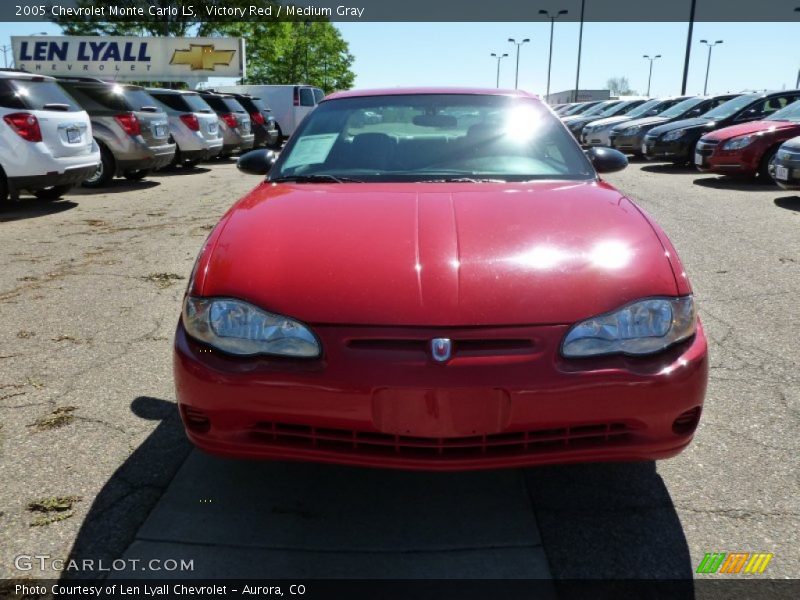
(650, 77)
(550, 58)
(518, 44)
(499, 57)
(9, 48)
(797, 85)
(708, 64)
(580, 45)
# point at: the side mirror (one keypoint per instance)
(256, 162)
(606, 160)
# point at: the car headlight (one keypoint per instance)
(737, 143)
(238, 327)
(642, 327)
(674, 135)
(631, 130)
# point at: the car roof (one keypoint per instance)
(20, 74)
(170, 91)
(399, 91)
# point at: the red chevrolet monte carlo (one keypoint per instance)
(438, 279)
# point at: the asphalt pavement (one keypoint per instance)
(95, 465)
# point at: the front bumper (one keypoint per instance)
(791, 162)
(655, 148)
(72, 176)
(709, 157)
(597, 138)
(629, 144)
(376, 399)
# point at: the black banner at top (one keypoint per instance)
(404, 10)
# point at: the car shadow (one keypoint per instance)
(244, 519)
(180, 171)
(133, 490)
(789, 203)
(669, 168)
(117, 185)
(739, 184)
(27, 208)
(610, 521)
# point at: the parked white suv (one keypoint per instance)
(46, 144)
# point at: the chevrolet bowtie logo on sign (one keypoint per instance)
(734, 562)
(202, 57)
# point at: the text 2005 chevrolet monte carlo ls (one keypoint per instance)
(437, 279)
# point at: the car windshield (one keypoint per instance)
(616, 109)
(600, 108)
(644, 108)
(788, 113)
(731, 107)
(432, 137)
(681, 107)
(578, 108)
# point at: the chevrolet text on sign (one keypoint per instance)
(131, 58)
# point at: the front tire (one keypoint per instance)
(763, 168)
(105, 171)
(52, 193)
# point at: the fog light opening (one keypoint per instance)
(195, 420)
(687, 421)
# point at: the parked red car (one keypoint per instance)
(450, 286)
(748, 148)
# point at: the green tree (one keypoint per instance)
(278, 52)
(312, 52)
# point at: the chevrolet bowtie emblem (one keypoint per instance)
(202, 57)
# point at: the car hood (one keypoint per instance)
(792, 144)
(645, 122)
(761, 127)
(610, 121)
(696, 123)
(437, 254)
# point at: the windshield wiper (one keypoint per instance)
(464, 180)
(319, 178)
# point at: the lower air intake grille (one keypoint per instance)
(361, 442)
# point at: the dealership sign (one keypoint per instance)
(131, 58)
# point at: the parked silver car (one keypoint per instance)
(193, 124)
(234, 122)
(131, 130)
(597, 133)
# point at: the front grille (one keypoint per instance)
(706, 147)
(387, 444)
(461, 347)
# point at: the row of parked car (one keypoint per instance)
(57, 133)
(756, 134)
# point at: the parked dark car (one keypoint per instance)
(676, 141)
(262, 123)
(235, 123)
(580, 107)
(785, 167)
(128, 125)
(629, 137)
